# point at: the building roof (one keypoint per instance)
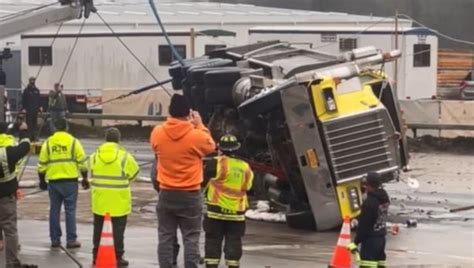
(138, 12)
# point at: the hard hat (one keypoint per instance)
(228, 143)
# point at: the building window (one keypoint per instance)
(346, 44)
(421, 55)
(165, 57)
(210, 48)
(38, 56)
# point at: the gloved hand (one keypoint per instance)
(43, 185)
(85, 184)
(352, 248)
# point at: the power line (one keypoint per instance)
(439, 33)
(133, 54)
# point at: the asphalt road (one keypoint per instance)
(441, 239)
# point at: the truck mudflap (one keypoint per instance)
(315, 173)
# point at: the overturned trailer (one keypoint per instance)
(310, 123)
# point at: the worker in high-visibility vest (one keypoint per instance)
(9, 158)
(61, 160)
(8, 140)
(112, 169)
(226, 204)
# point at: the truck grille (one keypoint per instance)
(358, 144)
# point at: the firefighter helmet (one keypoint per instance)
(228, 143)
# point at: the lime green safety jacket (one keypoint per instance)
(112, 169)
(227, 192)
(7, 140)
(62, 157)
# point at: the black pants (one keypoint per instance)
(216, 232)
(118, 229)
(32, 122)
(373, 250)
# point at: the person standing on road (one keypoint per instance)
(31, 106)
(226, 204)
(180, 144)
(9, 157)
(60, 160)
(112, 170)
(57, 105)
(372, 224)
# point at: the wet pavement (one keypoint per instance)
(441, 239)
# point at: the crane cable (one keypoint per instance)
(133, 54)
(72, 51)
(163, 30)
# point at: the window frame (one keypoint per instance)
(168, 59)
(423, 59)
(342, 45)
(43, 57)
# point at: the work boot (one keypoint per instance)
(73, 244)
(55, 244)
(121, 262)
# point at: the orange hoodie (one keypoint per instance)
(180, 148)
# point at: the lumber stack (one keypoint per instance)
(453, 66)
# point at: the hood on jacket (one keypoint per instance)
(381, 195)
(108, 152)
(177, 129)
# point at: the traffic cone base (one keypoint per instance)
(341, 257)
(106, 253)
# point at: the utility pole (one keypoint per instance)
(193, 42)
(395, 88)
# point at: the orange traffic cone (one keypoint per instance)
(106, 254)
(342, 257)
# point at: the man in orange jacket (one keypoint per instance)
(180, 144)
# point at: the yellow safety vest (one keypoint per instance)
(7, 140)
(61, 157)
(227, 193)
(112, 170)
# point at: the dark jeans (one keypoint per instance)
(216, 232)
(179, 209)
(32, 122)
(59, 193)
(8, 223)
(118, 230)
(373, 249)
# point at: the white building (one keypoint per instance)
(100, 62)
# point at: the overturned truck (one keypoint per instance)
(311, 124)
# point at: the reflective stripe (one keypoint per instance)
(225, 217)
(211, 261)
(7, 175)
(368, 263)
(106, 177)
(343, 241)
(101, 185)
(382, 263)
(232, 263)
(58, 161)
(218, 185)
(106, 241)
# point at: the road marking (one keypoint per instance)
(402, 251)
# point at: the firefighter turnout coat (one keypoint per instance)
(227, 192)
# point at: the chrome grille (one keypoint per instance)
(358, 144)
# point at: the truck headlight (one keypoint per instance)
(354, 198)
